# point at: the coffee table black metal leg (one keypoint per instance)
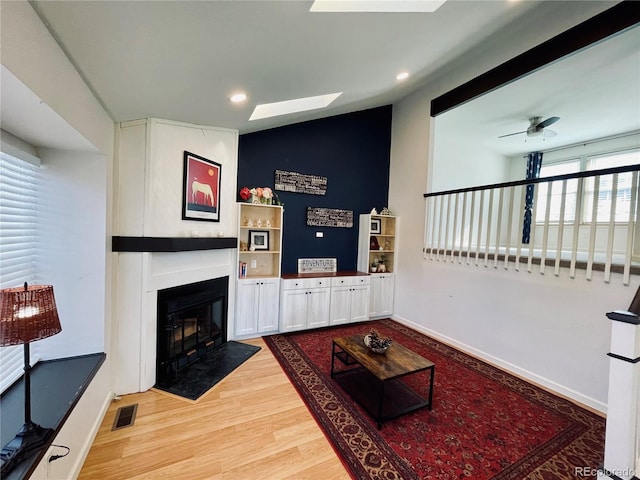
(333, 356)
(433, 372)
(380, 403)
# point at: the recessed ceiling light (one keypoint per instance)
(403, 6)
(402, 76)
(267, 110)
(238, 97)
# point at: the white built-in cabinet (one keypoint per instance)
(304, 303)
(349, 299)
(257, 305)
(377, 240)
(258, 286)
(382, 285)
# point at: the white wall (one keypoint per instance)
(552, 330)
(32, 55)
(72, 220)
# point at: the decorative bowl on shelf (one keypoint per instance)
(377, 344)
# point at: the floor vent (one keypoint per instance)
(125, 416)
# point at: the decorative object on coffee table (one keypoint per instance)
(377, 344)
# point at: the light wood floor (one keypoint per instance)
(252, 425)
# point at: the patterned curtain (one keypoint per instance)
(534, 162)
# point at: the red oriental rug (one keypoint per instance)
(484, 423)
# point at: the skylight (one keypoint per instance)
(403, 6)
(267, 110)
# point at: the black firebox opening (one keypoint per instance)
(192, 321)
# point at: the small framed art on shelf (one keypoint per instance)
(259, 239)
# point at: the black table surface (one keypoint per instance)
(56, 387)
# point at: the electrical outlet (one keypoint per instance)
(254, 263)
(319, 234)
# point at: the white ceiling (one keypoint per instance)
(181, 60)
(596, 94)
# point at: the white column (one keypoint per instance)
(621, 444)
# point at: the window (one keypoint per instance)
(571, 166)
(605, 189)
(18, 243)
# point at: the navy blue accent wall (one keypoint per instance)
(351, 150)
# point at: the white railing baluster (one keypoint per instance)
(612, 228)
(630, 228)
(463, 229)
(532, 236)
(576, 228)
(594, 221)
(499, 228)
(545, 230)
(455, 226)
(434, 227)
(446, 230)
(560, 228)
(440, 227)
(523, 197)
(507, 247)
(476, 222)
(427, 220)
(488, 238)
(471, 222)
(480, 215)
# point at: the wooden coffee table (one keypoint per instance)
(374, 380)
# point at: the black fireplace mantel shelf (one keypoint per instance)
(171, 244)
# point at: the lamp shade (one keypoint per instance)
(27, 314)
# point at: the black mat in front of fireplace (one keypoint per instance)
(200, 377)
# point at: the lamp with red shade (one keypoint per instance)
(27, 314)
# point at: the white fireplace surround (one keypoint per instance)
(145, 274)
(149, 176)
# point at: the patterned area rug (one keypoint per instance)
(485, 423)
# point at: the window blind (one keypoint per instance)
(18, 244)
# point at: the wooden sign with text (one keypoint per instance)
(300, 183)
(329, 217)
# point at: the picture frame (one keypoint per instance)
(259, 239)
(376, 225)
(200, 188)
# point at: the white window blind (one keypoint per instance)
(18, 244)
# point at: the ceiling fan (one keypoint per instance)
(537, 127)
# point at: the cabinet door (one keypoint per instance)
(381, 295)
(384, 303)
(318, 303)
(247, 297)
(269, 305)
(293, 310)
(340, 305)
(359, 310)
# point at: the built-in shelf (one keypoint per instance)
(171, 244)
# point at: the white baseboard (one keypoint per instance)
(543, 382)
(93, 432)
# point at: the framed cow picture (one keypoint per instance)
(200, 188)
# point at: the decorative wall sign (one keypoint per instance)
(315, 265)
(329, 217)
(300, 183)
(200, 188)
